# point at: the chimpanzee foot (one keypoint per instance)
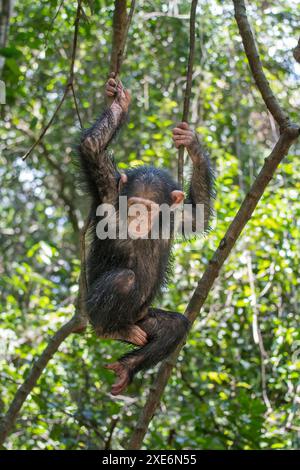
(135, 335)
(123, 377)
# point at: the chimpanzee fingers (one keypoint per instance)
(111, 87)
(112, 82)
(134, 339)
(178, 132)
(120, 87)
(183, 142)
(185, 138)
(110, 92)
(122, 377)
(127, 94)
(183, 125)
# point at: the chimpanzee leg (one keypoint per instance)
(164, 331)
(113, 303)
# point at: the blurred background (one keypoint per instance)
(226, 391)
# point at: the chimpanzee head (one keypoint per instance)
(150, 183)
(147, 189)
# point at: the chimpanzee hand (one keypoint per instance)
(183, 135)
(115, 89)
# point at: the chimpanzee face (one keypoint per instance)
(147, 191)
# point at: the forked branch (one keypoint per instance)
(78, 323)
(255, 63)
(69, 86)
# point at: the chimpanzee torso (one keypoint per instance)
(151, 269)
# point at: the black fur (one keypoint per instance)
(125, 276)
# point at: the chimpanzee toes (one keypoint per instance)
(123, 377)
(137, 336)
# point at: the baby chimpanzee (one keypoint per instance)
(125, 275)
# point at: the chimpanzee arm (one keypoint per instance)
(95, 140)
(201, 188)
(99, 170)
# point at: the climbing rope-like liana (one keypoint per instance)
(79, 320)
(290, 132)
(121, 24)
(188, 87)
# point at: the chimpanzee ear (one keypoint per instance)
(177, 197)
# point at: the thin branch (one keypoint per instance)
(257, 336)
(128, 23)
(289, 133)
(48, 125)
(77, 324)
(68, 87)
(32, 378)
(121, 24)
(206, 282)
(5, 10)
(159, 14)
(256, 65)
(113, 425)
(294, 409)
(60, 176)
(269, 283)
(188, 88)
(197, 395)
(76, 105)
(74, 45)
(83, 276)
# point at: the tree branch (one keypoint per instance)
(206, 282)
(60, 176)
(289, 133)
(121, 24)
(69, 86)
(29, 383)
(53, 21)
(5, 14)
(257, 336)
(78, 323)
(256, 65)
(188, 87)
